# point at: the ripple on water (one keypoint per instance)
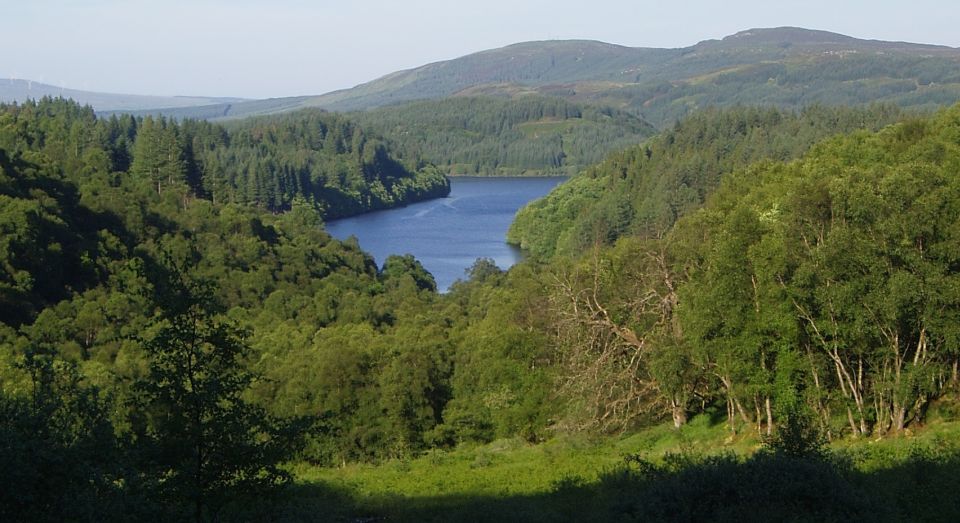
(447, 235)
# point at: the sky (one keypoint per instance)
(263, 49)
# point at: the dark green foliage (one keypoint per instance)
(763, 287)
(405, 270)
(492, 136)
(59, 457)
(797, 436)
(369, 352)
(643, 190)
(813, 298)
(728, 488)
(189, 390)
(48, 241)
(202, 442)
(323, 157)
(838, 259)
(820, 487)
(502, 371)
(158, 155)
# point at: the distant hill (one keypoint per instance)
(226, 110)
(15, 90)
(527, 135)
(785, 67)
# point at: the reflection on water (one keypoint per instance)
(448, 234)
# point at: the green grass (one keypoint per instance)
(522, 481)
(442, 480)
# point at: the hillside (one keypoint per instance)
(787, 67)
(528, 135)
(326, 158)
(479, 135)
(146, 322)
(15, 90)
(643, 190)
(592, 71)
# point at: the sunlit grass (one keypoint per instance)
(441, 479)
(513, 467)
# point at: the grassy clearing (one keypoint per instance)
(440, 480)
(515, 479)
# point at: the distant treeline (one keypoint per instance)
(322, 157)
(498, 136)
(642, 190)
(850, 80)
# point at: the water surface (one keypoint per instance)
(448, 234)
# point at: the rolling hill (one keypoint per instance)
(785, 67)
(15, 90)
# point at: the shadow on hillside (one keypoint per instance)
(921, 486)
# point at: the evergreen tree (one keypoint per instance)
(157, 154)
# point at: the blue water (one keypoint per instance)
(448, 234)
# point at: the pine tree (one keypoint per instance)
(157, 154)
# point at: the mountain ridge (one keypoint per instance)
(804, 35)
(20, 90)
(781, 66)
(625, 56)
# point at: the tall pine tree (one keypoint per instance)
(158, 154)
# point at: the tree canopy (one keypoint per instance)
(166, 350)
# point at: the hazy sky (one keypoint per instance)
(274, 48)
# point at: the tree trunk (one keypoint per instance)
(679, 413)
(859, 396)
(822, 412)
(880, 407)
(769, 416)
(731, 416)
(756, 407)
(898, 416)
(743, 413)
(954, 377)
(853, 424)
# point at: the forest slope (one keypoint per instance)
(529, 135)
(785, 67)
(644, 189)
(169, 355)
